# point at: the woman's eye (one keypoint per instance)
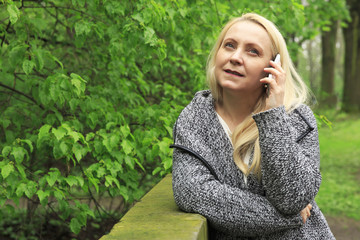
(254, 51)
(230, 45)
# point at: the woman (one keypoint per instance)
(246, 152)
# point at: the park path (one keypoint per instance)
(344, 228)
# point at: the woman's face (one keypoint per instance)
(242, 57)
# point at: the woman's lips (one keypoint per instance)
(229, 71)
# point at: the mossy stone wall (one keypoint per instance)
(156, 216)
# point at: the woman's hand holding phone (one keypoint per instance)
(274, 84)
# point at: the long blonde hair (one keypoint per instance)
(245, 137)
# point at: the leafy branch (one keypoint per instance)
(22, 94)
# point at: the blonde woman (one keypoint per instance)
(246, 152)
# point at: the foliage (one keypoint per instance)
(90, 90)
(339, 193)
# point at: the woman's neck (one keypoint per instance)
(235, 108)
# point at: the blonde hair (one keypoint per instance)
(246, 135)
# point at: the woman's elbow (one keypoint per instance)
(290, 204)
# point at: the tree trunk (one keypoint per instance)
(356, 91)
(352, 61)
(311, 64)
(328, 39)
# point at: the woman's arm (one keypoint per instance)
(290, 169)
(228, 209)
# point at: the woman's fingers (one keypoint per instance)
(305, 213)
(275, 85)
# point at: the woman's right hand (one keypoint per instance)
(305, 213)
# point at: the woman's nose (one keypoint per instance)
(237, 58)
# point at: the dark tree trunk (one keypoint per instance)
(351, 102)
(328, 39)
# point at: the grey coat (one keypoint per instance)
(207, 181)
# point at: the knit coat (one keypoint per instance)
(207, 181)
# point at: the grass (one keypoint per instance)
(339, 193)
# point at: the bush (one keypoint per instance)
(90, 91)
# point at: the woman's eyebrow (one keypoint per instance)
(229, 39)
(252, 44)
(255, 45)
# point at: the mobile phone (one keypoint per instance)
(277, 60)
(267, 87)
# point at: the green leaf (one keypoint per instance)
(78, 84)
(80, 3)
(39, 59)
(18, 153)
(167, 163)
(59, 133)
(5, 123)
(124, 192)
(156, 170)
(75, 135)
(106, 143)
(150, 37)
(90, 136)
(28, 66)
(29, 143)
(78, 152)
(164, 145)
(114, 140)
(21, 170)
(6, 151)
(109, 180)
(80, 180)
(2, 202)
(100, 172)
(125, 130)
(31, 188)
(95, 183)
(139, 164)
(138, 17)
(6, 170)
(82, 28)
(57, 151)
(53, 177)
(170, 131)
(58, 194)
(58, 115)
(14, 12)
(20, 189)
(71, 180)
(85, 210)
(43, 196)
(64, 208)
(17, 54)
(126, 146)
(44, 130)
(57, 60)
(109, 125)
(74, 103)
(130, 162)
(64, 148)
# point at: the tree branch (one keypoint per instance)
(217, 14)
(97, 205)
(21, 93)
(3, 38)
(65, 8)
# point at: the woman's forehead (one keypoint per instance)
(248, 30)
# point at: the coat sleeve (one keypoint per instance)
(230, 210)
(290, 169)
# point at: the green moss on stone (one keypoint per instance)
(156, 216)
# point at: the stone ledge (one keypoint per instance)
(156, 216)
